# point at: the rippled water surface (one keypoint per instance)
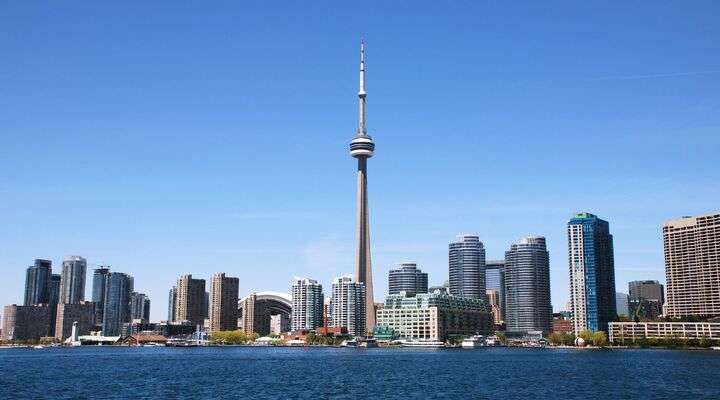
(317, 373)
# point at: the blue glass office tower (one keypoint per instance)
(592, 273)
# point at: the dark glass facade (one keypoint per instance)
(407, 277)
(118, 288)
(98, 292)
(37, 283)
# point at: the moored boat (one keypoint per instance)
(422, 343)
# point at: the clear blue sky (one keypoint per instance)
(189, 137)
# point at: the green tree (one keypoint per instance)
(599, 339)
(501, 337)
(555, 338)
(568, 338)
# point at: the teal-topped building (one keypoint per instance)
(592, 273)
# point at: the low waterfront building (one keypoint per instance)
(633, 331)
(83, 313)
(434, 316)
(26, 322)
(144, 338)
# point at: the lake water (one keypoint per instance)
(317, 373)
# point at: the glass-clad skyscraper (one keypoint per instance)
(407, 277)
(118, 288)
(37, 283)
(98, 292)
(527, 287)
(467, 267)
(72, 282)
(592, 273)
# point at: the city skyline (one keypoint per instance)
(177, 153)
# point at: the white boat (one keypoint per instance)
(474, 342)
(369, 343)
(349, 343)
(422, 343)
(39, 347)
(715, 347)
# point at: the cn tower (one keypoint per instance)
(362, 148)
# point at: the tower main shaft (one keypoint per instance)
(362, 148)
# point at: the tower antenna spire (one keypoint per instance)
(361, 93)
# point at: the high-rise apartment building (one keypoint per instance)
(224, 303)
(592, 273)
(190, 300)
(495, 280)
(347, 305)
(172, 300)
(645, 300)
(72, 282)
(408, 278)
(307, 304)
(67, 314)
(98, 292)
(692, 266)
(527, 287)
(37, 283)
(118, 288)
(467, 267)
(139, 307)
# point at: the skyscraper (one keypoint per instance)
(98, 292)
(495, 280)
(692, 265)
(362, 148)
(467, 267)
(37, 283)
(190, 300)
(72, 282)
(347, 305)
(307, 304)
(527, 286)
(592, 273)
(224, 303)
(407, 277)
(139, 307)
(118, 288)
(172, 300)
